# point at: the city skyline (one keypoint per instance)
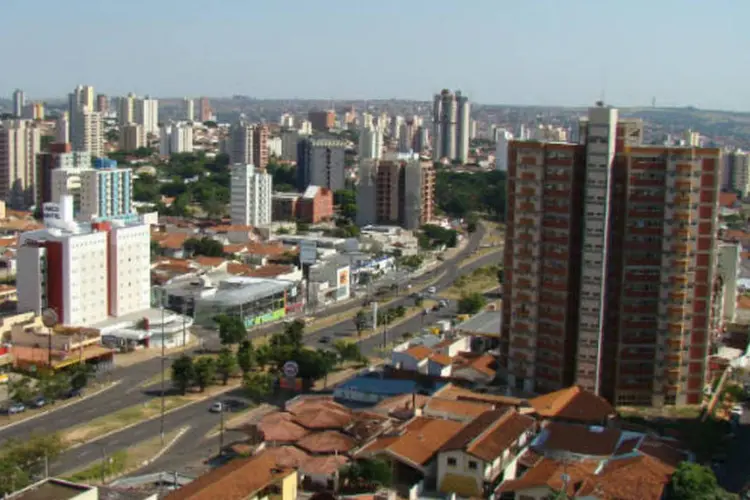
(525, 54)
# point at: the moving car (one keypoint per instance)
(324, 339)
(432, 290)
(217, 407)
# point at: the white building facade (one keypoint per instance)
(250, 194)
(176, 138)
(371, 143)
(106, 192)
(20, 142)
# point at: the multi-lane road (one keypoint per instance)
(130, 391)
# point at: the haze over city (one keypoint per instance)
(541, 52)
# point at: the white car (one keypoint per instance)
(432, 290)
(217, 407)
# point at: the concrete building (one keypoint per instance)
(729, 267)
(206, 113)
(82, 96)
(289, 140)
(736, 172)
(86, 132)
(132, 137)
(248, 143)
(20, 142)
(146, 113)
(176, 138)
(85, 273)
(321, 121)
(19, 101)
(398, 190)
(371, 143)
(321, 162)
(34, 111)
(250, 194)
(62, 128)
(421, 140)
(188, 109)
(313, 206)
(126, 110)
(502, 138)
(106, 192)
(305, 127)
(286, 121)
(610, 267)
(274, 147)
(452, 126)
(58, 173)
(102, 104)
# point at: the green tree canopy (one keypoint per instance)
(205, 372)
(245, 357)
(183, 373)
(471, 303)
(692, 481)
(257, 385)
(231, 329)
(204, 246)
(226, 364)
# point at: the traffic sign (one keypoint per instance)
(291, 369)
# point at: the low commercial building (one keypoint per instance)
(330, 280)
(256, 300)
(59, 489)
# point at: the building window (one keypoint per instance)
(473, 465)
(451, 462)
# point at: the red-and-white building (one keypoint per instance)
(85, 272)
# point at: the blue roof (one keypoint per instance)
(386, 387)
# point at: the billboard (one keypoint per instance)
(308, 252)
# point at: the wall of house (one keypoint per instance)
(289, 487)
(461, 477)
(404, 361)
(436, 369)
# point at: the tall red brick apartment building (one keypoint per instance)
(610, 264)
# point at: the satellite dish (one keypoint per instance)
(50, 318)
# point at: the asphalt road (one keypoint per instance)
(201, 421)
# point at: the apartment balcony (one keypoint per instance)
(528, 191)
(682, 200)
(638, 325)
(563, 256)
(523, 268)
(523, 283)
(681, 248)
(633, 309)
(559, 287)
(529, 161)
(528, 176)
(520, 343)
(559, 240)
(551, 316)
(557, 177)
(676, 328)
(647, 198)
(645, 182)
(674, 343)
(557, 209)
(556, 223)
(678, 296)
(555, 271)
(631, 277)
(681, 215)
(526, 222)
(680, 264)
(522, 298)
(556, 193)
(642, 214)
(681, 233)
(526, 206)
(684, 168)
(644, 356)
(683, 185)
(645, 231)
(525, 237)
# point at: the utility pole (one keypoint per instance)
(184, 321)
(46, 465)
(163, 360)
(104, 463)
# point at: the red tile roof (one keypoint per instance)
(329, 442)
(573, 403)
(581, 440)
(419, 352)
(279, 427)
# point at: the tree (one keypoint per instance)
(183, 373)
(205, 372)
(360, 321)
(471, 303)
(54, 386)
(418, 301)
(79, 377)
(21, 390)
(226, 364)
(203, 246)
(471, 222)
(500, 275)
(691, 481)
(366, 475)
(348, 351)
(231, 329)
(21, 460)
(294, 333)
(245, 357)
(302, 227)
(257, 385)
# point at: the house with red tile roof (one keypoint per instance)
(573, 404)
(483, 453)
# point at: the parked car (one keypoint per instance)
(16, 408)
(324, 339)
(432, 290)
(74, 393)
(443, 303)
(38, 402)
(217, 407)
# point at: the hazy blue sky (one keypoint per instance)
(682, 52)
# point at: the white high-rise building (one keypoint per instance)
(176, 138)
(503, 137)
(396, 124)
(19, 101)
(250, 196)
(82, 95)
(305, 127)
(62, 128)
(125, 113)
(86, 273)
(367, 120)
(20, 142)
(188, 108)
(736, 172)
(106, 192)
(274, 146)
(286, 121)
(146, 113)
(65, 178)
(371, 143)
(86, 131)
